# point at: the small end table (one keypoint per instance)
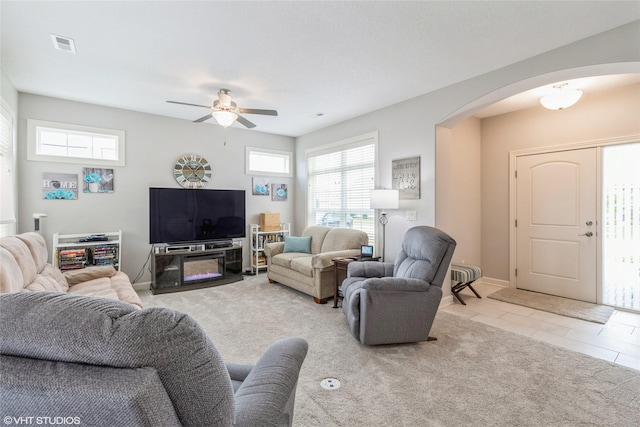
(340, 267)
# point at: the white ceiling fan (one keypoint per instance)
(225, 111)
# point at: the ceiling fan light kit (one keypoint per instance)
(224, 118)
(226, 111)
(561, 97)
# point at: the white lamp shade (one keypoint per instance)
(561, 97)
(224, 118)
(384, 199)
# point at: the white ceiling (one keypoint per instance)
(341, 59)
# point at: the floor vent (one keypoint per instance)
(330, 384)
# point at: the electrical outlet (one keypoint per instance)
(411, 215)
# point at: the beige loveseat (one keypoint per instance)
(312, 273)
(24, 267)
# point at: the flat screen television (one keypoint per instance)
(180, 215)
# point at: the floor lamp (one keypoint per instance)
(384, 199)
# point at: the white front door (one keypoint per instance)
(556, 250)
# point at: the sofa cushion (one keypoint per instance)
(284, 259)
(95, 288)
(338, 239)
(55, 274)
(75, 277)
(23, 258)
(302, 265)
(38, 248)
(44, 283)
(297, 244)
(11, 279)
(317, 233)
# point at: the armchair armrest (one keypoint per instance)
(395, 284)
(370, 269)
(84, 275)
(266, 395)
(273, 248)
(325, 259)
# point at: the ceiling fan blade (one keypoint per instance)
(245, 122)
(203, 118)
(257, 111)
(193, 105)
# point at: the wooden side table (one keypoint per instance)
(340, 266)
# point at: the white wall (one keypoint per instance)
(9, 96)
(153, 145)
(458, 188)
(409, 128)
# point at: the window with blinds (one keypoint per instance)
(340, 179)
(7, 210)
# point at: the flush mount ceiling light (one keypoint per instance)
(562, 96)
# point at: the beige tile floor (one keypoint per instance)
(617, 341)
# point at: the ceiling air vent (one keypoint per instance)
(63, 43)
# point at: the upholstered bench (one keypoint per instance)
(464, 275)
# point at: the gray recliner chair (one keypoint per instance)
(389, 303)
(100, 362)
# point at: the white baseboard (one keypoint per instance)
(494, 282)
(446, 300)
(143, 286)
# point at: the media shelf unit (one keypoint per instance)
(177, 268)
(69, 253)
(259, 239)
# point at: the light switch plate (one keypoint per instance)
(411, 215)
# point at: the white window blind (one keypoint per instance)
(7, 174)
(340, 179)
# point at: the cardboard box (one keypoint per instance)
(269, 222)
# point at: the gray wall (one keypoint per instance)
(409, 128)
(153, 145)
(405, 129)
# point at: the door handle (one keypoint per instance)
(588, 234)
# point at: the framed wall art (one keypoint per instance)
(279, 192)
(260, 186)
(406, 177)
(59, 186)
(97, 180)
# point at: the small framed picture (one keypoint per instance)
(260, 186)
(59, 186)
(406, 177)
(279, 192)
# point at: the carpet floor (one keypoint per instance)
(473, 375)
(563, 306)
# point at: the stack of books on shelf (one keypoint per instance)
(263, 239)
(262, 259)
(72, 259)
(105, 255)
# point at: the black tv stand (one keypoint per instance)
(177, 268)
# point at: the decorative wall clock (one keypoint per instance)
(192, 171)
